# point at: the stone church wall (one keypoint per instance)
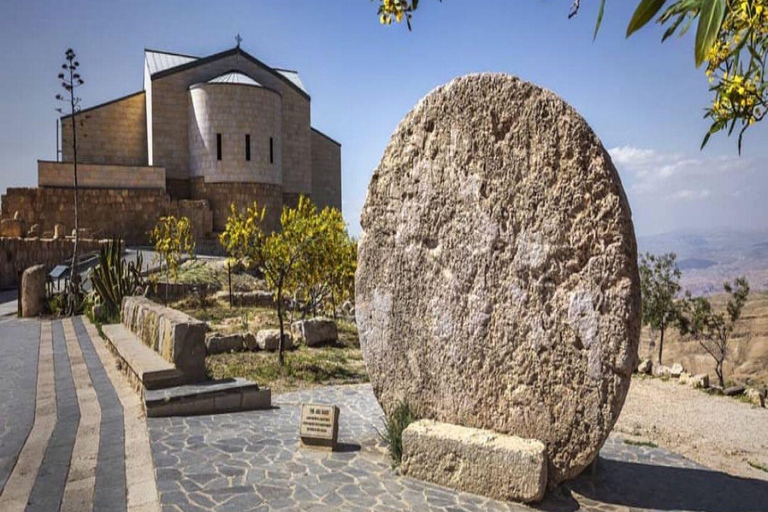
(113, 133)
(234, 111)
(326, 175)
(221, 195)
(170, 118)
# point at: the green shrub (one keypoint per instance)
(113, 279)
(394, 425)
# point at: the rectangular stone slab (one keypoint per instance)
(478, 461)
(176, 336)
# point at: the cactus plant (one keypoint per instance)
(113, 278)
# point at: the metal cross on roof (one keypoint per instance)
(239, 40)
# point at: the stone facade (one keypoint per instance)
(18, 254)
(326, 181)
(113, 133)
(170, 116)
(232, 112)
(221, 195)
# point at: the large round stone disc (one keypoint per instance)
(497, 282)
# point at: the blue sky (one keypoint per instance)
(644, 100)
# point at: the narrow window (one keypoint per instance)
(271, 151)
(218, 146)
(247, 147)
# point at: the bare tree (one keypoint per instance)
(713, 329)
(70, 80)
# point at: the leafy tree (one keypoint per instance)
(277, 254)
(731, 38)
(713, 329)
(70, 79)
(659, 284)
(172, 239)
(327, 272)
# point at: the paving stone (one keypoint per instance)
(19, 344)
(48, 490)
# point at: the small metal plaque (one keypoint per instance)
(319, 425)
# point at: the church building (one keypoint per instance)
(203, 133)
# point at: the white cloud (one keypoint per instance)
(669, 191)
(690, 195)
(677, 176)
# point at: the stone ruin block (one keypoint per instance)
(497, 284)
(176, 336)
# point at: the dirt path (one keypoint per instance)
(719, 432)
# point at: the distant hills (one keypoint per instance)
(709, 258)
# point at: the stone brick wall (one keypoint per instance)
(127, 213)
(326, 171)
(57, 174)
(242, 195)
(199, 214)
(170, 120)
(233, 111)
(115, 133)
(18, 254)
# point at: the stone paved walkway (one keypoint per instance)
(252, 461)
(19, 344)
(72, 436)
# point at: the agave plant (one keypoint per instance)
(113, 278)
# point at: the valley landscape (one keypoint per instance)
(707, 259)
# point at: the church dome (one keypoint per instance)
(235, 78)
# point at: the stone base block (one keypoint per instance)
(478, 461)
(212, 397)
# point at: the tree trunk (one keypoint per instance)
(719, 372)
(229, 279)
(661, 341)
(280, 347)
(74, 276)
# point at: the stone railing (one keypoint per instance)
(176, 336)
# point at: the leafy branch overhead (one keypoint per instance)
(731, 40)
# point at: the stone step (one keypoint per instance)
(213, 397)
(145, 367)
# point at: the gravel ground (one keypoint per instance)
(718, 432)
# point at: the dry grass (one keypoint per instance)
(304, 367)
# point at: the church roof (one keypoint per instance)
(160, 61)
(234, 77)
(293, 76)
(161, 64)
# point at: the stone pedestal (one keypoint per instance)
(478, 461)
(33, 291)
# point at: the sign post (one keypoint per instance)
(319, 426)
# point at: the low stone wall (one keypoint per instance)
(176, 336)
(60, 174)
(18, 254)
(178, 291)
(128, 213)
